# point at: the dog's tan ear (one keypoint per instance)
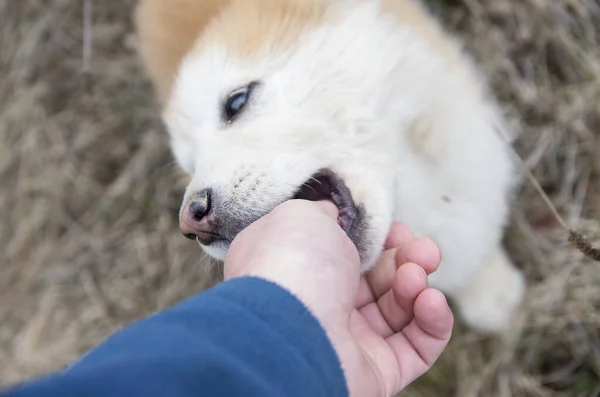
(167, 30)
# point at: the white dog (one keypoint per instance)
(366, 102)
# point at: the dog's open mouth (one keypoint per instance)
(326, 185)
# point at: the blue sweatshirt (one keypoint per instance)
(244, 337)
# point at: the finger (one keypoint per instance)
(432, 317)
(378, 280)
(422, 341)
(364, 295)
(329, 208)
(399, 234)
(375, 320)
(381, 277)
(394, 310)
(300, 207)
(421, 251)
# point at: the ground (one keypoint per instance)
(89, 193)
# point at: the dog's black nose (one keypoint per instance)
(199, 206)
(196, 220)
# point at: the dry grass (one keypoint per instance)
(88, 199)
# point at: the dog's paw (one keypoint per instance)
(492, 300)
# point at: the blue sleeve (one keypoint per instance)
(244, 337)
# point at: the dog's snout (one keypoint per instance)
(196, 220)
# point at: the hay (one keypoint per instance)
(89, 194)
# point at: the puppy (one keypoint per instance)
(368, 103)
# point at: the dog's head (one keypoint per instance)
(272, 104)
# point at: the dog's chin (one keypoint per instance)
(217, 250)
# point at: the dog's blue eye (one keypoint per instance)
(235, 104)
(236, 101)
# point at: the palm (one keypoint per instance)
(398, 324)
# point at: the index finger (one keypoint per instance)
(398, 235)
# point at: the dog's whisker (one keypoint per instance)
(308, 185)
(312, 178)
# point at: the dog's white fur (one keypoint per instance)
(380, 95)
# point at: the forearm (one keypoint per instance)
(243, 337)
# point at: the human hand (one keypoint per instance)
(387, 326)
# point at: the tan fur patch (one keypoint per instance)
(249, 26)
(169, 29)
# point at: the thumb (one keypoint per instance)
(329, 208)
